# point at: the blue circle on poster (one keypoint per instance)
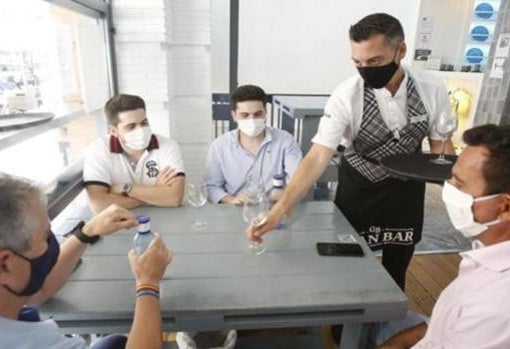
(474, 55)
(480, 33)
(484, 10)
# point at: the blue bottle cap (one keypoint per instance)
(278, 176)
(142, 219)
(29, 313)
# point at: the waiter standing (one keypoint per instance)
(386, 109)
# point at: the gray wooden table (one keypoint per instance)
(213, 284)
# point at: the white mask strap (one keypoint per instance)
(485, 198)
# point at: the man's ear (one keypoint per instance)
(233, 115)
(113, 130)
(403, 51)
(504, 215)
(5, 263)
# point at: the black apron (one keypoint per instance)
(383, 210)
(389, 212)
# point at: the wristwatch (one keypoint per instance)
(126, 189)
(77, 231)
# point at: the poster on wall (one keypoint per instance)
(500, 56)
(424, 44)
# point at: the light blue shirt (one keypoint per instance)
(229, 164)
(35, 335)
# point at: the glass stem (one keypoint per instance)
(443, 148)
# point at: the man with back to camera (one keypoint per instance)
(386, 109)
(474, 310)
(33, 267)
(254, 151)
(132, 166)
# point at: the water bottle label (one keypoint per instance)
(144, 227)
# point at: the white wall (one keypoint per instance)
(220, 41)
(164, 55)
(302, 46)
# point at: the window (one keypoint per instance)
(54, 80)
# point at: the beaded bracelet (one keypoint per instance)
(147, 292)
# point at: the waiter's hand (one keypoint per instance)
(255, 232)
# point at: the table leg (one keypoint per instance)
(354, 336)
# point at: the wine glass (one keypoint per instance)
(255, 210)
(254, 186)
(444, 125)
(197, 197)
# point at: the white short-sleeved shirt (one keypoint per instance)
(344, 110)
(35, 335)
(474, 310)
(107, 164)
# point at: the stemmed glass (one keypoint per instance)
(255, 210)
(197, 197)
(445, 124)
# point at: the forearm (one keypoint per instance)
(99, 201)
(146, 329)
(407, 338)
(70, 252)
(169, 196)
(310, 170)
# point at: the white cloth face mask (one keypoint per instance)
(460, 210)
(252, 127)
(139, 138)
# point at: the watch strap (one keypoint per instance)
(126, 189)
(77, 231)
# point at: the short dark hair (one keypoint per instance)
(247, 93)
(120, 103)
(496, 169)
(377, 23)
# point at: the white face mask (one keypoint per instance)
(460, 210)
(138, 139)
(252, 127)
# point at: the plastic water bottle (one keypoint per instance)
(144, 235)
(276, 193)
(277, 190)
(29, 313)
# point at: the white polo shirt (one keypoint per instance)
(474, 310)
(106, 163)
(344, 110)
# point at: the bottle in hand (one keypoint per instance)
(144, 234)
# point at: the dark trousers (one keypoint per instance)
(396, 259)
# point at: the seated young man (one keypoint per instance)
(132, 166)
(33, 267)
(253, 151)
(474, 310)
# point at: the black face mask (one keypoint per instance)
(40, 267)
(378, 77)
